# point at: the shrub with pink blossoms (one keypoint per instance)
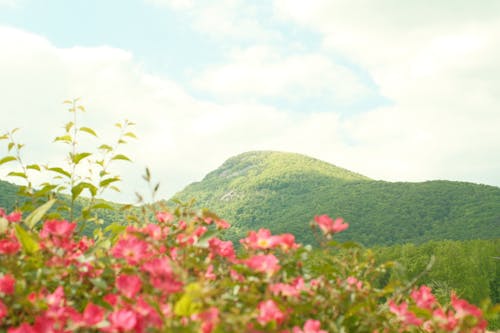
(150, 279)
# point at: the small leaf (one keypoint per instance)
(68, 102)
(77, 190)
(68, 126)
(88, 130)
(28, 241)
(10, 146)
(33, 167)
(38, 213)
(108, 181)
(78, 157)
(121, 157)
(17, 174)
(131, 135)
(64, 138)
(60, 171)
(4, 137)
(105, 147)
(81, 108)
(7, 159)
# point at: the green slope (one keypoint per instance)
(283, 191)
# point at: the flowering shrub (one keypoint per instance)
(178, 275)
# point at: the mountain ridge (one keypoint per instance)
(283, 191)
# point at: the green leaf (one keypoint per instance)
(60, 171)
(108, 181)
(130, 135)
(88, 130)
(7, 159)
(68, 102)
(10, 146)
(78, 157)
(64, 138)
(68, 126)
(121, 157)
(38, 213)
(28, 240)
(105, 147)
(81, 108)
(190, 302)
(33, 167)
(77, 189)
(17, 174)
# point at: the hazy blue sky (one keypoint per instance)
(396, 90)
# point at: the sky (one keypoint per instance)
(395, 90)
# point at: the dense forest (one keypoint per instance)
(282, 192)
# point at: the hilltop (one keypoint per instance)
(283, 191)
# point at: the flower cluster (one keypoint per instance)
(179, 274)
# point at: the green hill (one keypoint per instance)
(283, 191)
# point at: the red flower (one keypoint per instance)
(131, 249)
(423, 297)
(209, 319)
(3, 311)
(14, 217)
(222, 248)
(24, 328)
(59, 228)
(7, 284)
(128, 285)
(9, 245)
(122, 320)
(403, 314)
(268, 264)
(311, 326)
(329, 226)
(92, 314)
(163, 217)
(269, 311)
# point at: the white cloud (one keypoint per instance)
(438, 64)
(262, 71)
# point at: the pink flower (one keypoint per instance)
(7, 284)
(261, 239)
(162, 276)
(128, 285)
(423, 297)
(464, 309)
(59, 228)
(311, 326)
(269, 311)
(268, 264)
(407, 317)
(14, 217)
(209, 319)
(329, 226)
(3, 311)
(163, 217)
(447, 322)
(352, 281)
(122, 320)
(222, 248)
(9, 245)
(23, 328)
(92, 314)
(209, 274)
(222, 224)
(131, 249)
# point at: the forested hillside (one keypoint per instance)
(280, 191)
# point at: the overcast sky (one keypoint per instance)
(395, 90)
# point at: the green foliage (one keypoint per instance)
(278, 190)
(75, 186)
(471, 268)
